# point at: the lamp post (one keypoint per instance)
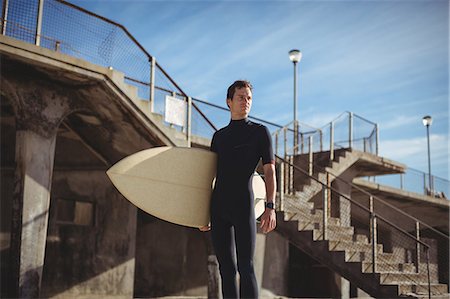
(427, 121)
(295, 56)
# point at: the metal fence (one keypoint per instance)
(399, 248)
(63, 27)
(416, 181)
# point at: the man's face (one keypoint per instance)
(241, 103)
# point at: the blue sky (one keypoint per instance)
(387, 61)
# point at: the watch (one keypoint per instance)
(270, 205)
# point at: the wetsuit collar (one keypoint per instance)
(239, 122)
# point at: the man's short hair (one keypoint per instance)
(238, 84)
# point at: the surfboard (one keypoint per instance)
(174, 183)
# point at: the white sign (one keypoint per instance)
(175, 112)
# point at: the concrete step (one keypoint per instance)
(132, 91)
(366, 256)
(366, 267)
(436, 289)
(144, 105)
(399, 278)
(357, 246)
(336, 233)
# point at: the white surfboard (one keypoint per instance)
(174, 183)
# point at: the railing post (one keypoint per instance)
(152, 83)
(401, 181)
(329, 193)
(425, 183)
(321, 140)
(281, 204)
(302, 142)
(291, 175)
(428, 271)
(276, 142)
(189, 121)
(4, 15)
(39, 23)
(285, 159)
(332, 141)
(376, 139)
(57, 46)
(417, 246)
(325, 213)
(370, 216)
(310, 156)
(350, 130)
(374, 242)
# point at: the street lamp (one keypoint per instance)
(295, 56)
(427, 121)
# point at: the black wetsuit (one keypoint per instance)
(239, 146)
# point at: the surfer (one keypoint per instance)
(240, 146)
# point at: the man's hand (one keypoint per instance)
(268, 221)
(205, 228)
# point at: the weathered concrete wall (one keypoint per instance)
(170, 259)
(90, 260)
(276, 265)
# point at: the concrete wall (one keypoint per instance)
(95, 259)
(170, 259)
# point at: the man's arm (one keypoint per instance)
(269, 219)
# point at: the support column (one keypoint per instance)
(31, 199)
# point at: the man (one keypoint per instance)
(239, 147)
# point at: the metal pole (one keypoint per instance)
(370, 217)
(401, 181)
(331, 141)
(285, 171)
(424, 183)
(428, 272)
(321, 140)
(325, 213)
(4, 16)
(429, 159)
(311, 156)
(295, 110)
(376, 139)
(39, 23)
(276, 142)
(189, 121)
(417, 246)
(350, 130)
(282, 186)
(152, 83)
(374, 243)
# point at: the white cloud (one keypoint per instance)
(413, 153)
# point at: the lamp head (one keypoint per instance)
(427, 120)
(295, 55)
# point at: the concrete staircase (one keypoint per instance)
(178, 138)
(343, 250)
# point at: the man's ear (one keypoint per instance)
(228, 102)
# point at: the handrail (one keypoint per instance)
(316, 166)
(349, 199)
(106, 20)
(150, 57)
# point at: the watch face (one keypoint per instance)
(270, 205)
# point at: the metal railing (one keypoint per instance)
(348, 130)
(437, 240)
(66, 28)
(416, 181)
(392, 248)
